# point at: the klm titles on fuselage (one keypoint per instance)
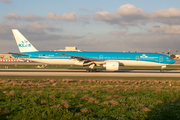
(24, 44)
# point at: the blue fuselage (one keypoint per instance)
(116, 56)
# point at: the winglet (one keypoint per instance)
(23, 44)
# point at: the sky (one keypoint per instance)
(92, 25)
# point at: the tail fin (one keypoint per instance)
(23, 44)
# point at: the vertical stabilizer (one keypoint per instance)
(23, 44)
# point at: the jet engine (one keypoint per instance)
(111, 65)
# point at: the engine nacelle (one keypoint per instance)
(111, 65)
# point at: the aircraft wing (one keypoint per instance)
(80, 58)
(18, 54)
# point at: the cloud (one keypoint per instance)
(171, 12)
(128, 15)
(33, 28)
(70, 37)
(104, 15)
(50, 16)
(83, 9)
(118, 32)
(136, 34)
(125, 15)
(85, 19)
(169, 16)
(5, 1)
(36, 35)
(30, 17)
(37, 25)
(166, 29)
(6, 27)
(40, 28)
(6, 34)
(70, 17)
(130, 10)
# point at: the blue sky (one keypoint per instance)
(93, 25)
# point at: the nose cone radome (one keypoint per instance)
(172, 61)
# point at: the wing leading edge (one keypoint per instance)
(80, 58)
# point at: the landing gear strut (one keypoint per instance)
(91, 68)
(162, 69)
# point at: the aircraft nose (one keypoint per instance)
(173, 61)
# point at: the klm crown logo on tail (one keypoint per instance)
(23, 44)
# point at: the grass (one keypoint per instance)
(89, 98)
(171, 67)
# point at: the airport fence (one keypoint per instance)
(12, 60)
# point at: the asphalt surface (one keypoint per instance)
(68, 72)
(77, 72)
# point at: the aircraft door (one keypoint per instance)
(161, 59)
(137, 58)
(100, 56)
(40, 56)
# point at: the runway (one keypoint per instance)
(77, 72)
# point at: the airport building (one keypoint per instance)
(9, 58)
(6, 56)
(177, 56)
(69, 49)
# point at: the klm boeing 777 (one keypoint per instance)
(109, 60)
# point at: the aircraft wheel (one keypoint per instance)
(88, 70)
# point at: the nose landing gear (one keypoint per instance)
(162, 69)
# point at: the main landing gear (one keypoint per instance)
(91, 70)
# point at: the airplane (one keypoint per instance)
(109, 60)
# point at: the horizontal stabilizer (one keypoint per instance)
(18, 54)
